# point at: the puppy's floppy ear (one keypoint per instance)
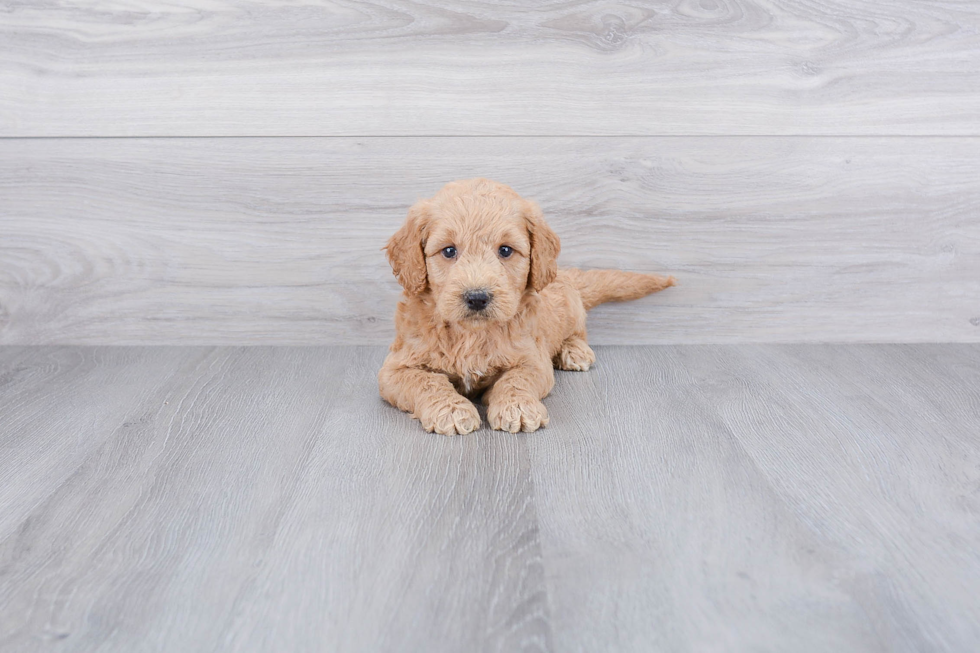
(545, 247)
(404, 249)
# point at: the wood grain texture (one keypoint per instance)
(250, 241)
(263, 499)
(218, 67)
(751, 497)
(73, 402)
(784, 498)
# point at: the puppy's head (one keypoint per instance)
(478, 247)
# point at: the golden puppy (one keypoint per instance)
(486, 309)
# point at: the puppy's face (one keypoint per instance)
(478, 248)
(477, 262)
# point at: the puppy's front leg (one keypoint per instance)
(514, 401)
(429, 397)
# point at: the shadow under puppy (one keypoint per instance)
(486, 309)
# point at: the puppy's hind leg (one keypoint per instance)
(575, 354)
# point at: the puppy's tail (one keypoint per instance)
(601, 286)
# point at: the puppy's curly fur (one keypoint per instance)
(486, 309)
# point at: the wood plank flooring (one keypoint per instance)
(277, 241)
(391, 67)
(749, 497)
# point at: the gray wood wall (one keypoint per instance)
(226, 172)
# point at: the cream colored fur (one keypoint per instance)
(444, 353)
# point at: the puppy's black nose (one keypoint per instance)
(477, 300)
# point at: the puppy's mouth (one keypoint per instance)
(477, 317)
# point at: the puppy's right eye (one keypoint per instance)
(449, 252)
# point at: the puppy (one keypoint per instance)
(486, 310)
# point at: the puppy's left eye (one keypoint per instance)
(505, 251)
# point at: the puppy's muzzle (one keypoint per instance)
(477, 300)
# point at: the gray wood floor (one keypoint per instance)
(683, 498)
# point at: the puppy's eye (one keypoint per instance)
(449, 252)
(505, 251)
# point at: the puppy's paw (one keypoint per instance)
(517, 414)
(450, 417)
(575, 355)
